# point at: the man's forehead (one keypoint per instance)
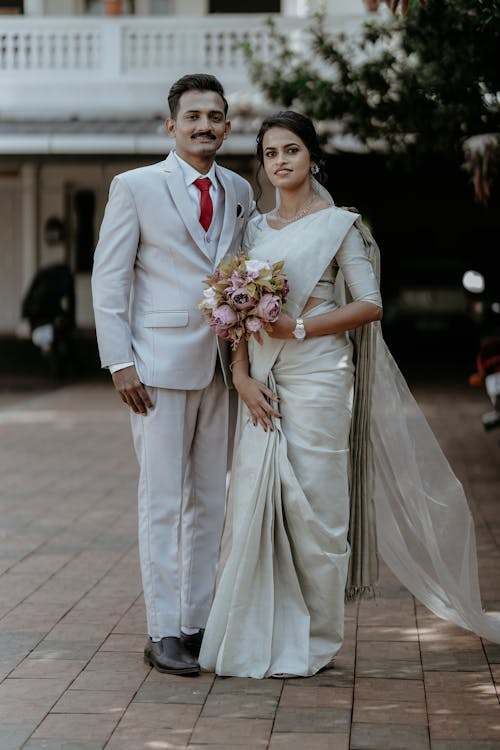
(201, 101)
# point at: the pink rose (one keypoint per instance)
(223, 317)
(242, 300)
(223, 333)
(237, 280)
(269, 308)
(253, 324)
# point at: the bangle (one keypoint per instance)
(235, 362)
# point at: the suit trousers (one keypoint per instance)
(181, 446)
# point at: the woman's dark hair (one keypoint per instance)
(301, 126)
(194, 82)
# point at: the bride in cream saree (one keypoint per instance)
(351, 445)
(279, 606)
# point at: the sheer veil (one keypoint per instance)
(424, 528)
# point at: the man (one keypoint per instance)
(165, 228)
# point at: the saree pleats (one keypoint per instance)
(279, 605)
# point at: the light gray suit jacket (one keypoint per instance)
(149, 265)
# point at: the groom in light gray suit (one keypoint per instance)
(165, 228)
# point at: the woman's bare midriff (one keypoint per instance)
(312, 302)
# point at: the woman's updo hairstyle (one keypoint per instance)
(301, 126)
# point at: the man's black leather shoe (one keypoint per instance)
(170, 655)
(193, 642)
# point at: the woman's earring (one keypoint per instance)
(314, 169)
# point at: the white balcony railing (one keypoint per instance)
(111, 66)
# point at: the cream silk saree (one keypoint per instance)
(279, 604)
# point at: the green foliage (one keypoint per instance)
(422, 83)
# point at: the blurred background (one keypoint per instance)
(83, 86)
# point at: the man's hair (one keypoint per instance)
(194, 82)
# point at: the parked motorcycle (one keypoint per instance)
(49, 307)
(485, 311)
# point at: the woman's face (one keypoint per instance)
(286, 159)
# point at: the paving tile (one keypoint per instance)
(92, 679)
(463, 703)
(189, 691)
(327, 678)
(13, 736)
(232, 732)
(305, 741)
(16, 645)
(86, 632)
(389, 668)
(495, 671)
(118, 662)
(471, 682)
(119, 642)
(433, 628)
(76, 727)
(160, 716)
(316, 697)
(94, 702)
(452, 644)
(367, 688)
(389, 712)
(393, 737)
(492, 652)
(387, 633)
(23, 691)
(464, 745)
(46, 668)
(144, 738)
(49, 649)
(459, 662)
(172, 679)
(465, 727)
(306, 719)
(379, 650)
(246, 685)
(64, 745)
(237, 706)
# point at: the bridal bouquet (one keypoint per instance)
(243, 297)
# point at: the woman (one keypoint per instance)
(279, 606)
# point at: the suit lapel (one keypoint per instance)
(229, 221)
(182, 201)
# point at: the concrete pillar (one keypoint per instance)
(34, 7)
(190, 7)
(29, 223)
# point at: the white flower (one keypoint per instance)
(210, 300)
(256, 266)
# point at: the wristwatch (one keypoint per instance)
(299, 331)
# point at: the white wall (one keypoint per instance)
(193, 7)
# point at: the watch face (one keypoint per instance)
(299, 333)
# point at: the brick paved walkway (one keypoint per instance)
(72, 620)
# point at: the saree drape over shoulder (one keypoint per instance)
(279, 604)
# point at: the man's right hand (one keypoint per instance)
(132, 391)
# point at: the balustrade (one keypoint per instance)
(76, 65)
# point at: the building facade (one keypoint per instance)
(83, 87)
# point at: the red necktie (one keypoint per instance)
(206, 205)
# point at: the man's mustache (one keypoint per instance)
(207, 134)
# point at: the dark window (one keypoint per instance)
(84, 203)
(245, 6)
(14, 7)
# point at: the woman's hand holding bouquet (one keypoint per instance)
(244, 297)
